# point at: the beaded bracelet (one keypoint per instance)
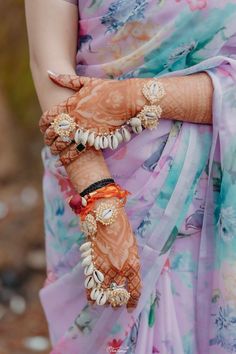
(96, 185)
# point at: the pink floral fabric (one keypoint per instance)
(183, 183)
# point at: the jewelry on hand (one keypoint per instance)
(105, 213)
(149, 116)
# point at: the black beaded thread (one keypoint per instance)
(97, 185)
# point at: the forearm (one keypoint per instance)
(89, 168)
(187, 98)
(48, 93)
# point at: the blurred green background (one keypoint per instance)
(23, 327)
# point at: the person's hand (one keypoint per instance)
(100, 104)
(116, 256)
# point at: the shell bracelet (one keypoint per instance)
(66, 127)
(115, 295)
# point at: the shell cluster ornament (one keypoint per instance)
(106, 212)
(66, 127)
(149, 116)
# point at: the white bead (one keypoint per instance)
(86, 253)
(91, 139)
(87, 261)
(89, 282)
(94, 293)
(101, 299)
(113, 142)
(88, 270)
(85, 246)
(84, 137)
(135, 122)
(98, 276)
(97, 142)
(119, 136)
(126, 134)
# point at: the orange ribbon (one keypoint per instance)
(109, 191)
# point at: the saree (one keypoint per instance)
(182, 179)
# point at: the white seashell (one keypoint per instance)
(78, 135)
(150, 115)
(89, 282)
(88, 270)
(64, 124)
(94, 293)
(84, 137)
(91, 139)
(84, 201)
(101, 298)
(136, 122)
(126, 134)
(87, 261)
(113, 142)
(137, 129)
(97, 142)
(86, 253)
(119, 136)
(103, 142)
(85, 246)
(98, 276)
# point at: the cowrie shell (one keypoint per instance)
(88, 270)
(113, 142)
(84, 137)
(101, 298)
(135, 122)
(137, 129)
(78, 135)
(94, 293)
(119, 136)
(97, 142)
(84, 201)
(89, 282)
(91, 139)
(126, 134)
(103, 142)
(86, 253)
(98, 276)
(85, 246)
(87, 261)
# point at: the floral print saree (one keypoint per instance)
(182, 177)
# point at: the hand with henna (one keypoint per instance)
(102, 105)
(115, 246)
(116, 256)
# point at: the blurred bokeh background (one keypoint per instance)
(23, 327)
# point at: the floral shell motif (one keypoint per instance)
(121, 12)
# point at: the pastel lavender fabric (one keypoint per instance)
(183, 183)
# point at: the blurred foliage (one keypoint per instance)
(15, 76)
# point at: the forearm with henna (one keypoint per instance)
(115, 246)
(187, 98)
